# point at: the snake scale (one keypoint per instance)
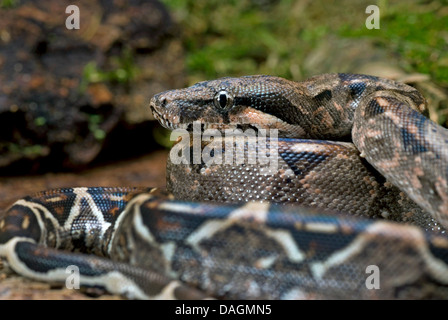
(328, 217)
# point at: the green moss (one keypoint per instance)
(274, 37)
(239, 37)
(163, 136)
(7, 4)
(40, 121)
(94, 126)
(420, 37)
(30, 151)
(36, 150)
(123, 71)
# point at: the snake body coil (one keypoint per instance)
(229, 230)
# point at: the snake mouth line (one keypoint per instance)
(190, 127)
(164, 121)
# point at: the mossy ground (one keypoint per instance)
(261, 36)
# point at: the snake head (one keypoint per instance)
(259, 102)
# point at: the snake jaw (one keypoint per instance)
(177, 109)
(156, 106)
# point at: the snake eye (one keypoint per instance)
(223, 99)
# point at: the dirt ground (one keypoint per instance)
(148, 170)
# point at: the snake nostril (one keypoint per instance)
(163, 101)
(159, 101)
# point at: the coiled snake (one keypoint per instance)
(355, 228)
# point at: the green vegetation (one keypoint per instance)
(241, 37)
(6, 4)
(122, 70)
(30, 151)
(421, 38)
(163, 136)
(273, 37)
(40, 121)
(94, 126)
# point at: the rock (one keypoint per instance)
(68, 95)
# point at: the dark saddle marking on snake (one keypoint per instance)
(228, 230)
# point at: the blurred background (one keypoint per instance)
(74, 103)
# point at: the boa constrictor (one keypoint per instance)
(325, 224)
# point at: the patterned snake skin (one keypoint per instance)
(330, 219)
